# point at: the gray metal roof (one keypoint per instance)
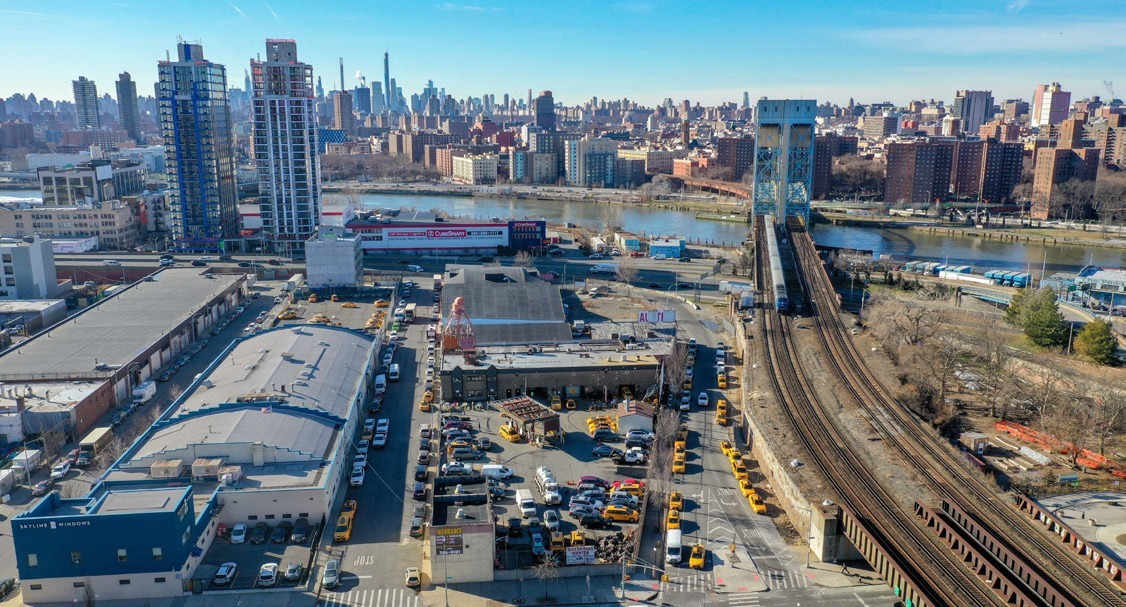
(286, 435)
(310, 366)
(507, 306)
(116, 330)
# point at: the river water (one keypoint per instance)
(980, 253)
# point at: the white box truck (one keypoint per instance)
(673, 547)
(525, 503)
(144, 391)
(604, 268)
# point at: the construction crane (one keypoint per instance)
(459, 329)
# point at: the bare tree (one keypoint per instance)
(666, 423)
(627, 271)
(745, 261)
(610, 220)
(109, 453)
(676, 365)
(1109, 415)
(523, 259)
(545, 571)
(936, 361)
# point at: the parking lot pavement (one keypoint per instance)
(249, 558)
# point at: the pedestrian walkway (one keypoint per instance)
(777, 579)
(744, 599)
(383, 597)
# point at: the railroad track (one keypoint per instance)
(931, 569)
(1077, 581)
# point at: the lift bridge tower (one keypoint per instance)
(783, 170)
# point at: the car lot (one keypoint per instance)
(249, 558)
(568, 463)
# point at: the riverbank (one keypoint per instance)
(1051, 235)
(692, 203)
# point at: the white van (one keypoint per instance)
(660, 256)
(110, 262)
(525, 503)
(496, 471)
(673, 548)
(393, 372)
(415, 269)
(380, 384)
(424, 430)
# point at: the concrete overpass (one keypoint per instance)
(21, 175)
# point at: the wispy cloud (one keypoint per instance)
(237, 9)
(1074, 36)
(23, 13)
(1016, 6)
(466, 8)
(271, 9)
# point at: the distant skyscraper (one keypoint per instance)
(246, 82)
(285, 145)
(378, 102)
(127, 106)
(361, 96)
(195, 121)
(975, 108)
(342, 116)
(545, 111)
(389, 92)
(86, 103)
(320, 89)
(783, 169)
(1050, 105)
(746, 100)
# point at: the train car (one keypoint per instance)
(777, 278)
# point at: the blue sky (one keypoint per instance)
(642, 49)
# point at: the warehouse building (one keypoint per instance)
(425, 234)
(262, 435)
(165, 313)
(506, 305)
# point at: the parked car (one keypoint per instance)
(602, 451)
(225, 574)
(301, 531)
(580, 511)
(293, 572)
(551, 520)
(42, 487)
(331, 576)
(60, 470)
(238, 533)
(282, 532)
(261, 530)
(595, 521)
(268, 575)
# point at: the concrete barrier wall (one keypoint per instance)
(773, 464)
(562, 571)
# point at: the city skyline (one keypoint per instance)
(1008, 47)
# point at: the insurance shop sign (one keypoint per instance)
(448, 541)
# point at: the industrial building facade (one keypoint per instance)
(427, 237)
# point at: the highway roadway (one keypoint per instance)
(652, 273)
